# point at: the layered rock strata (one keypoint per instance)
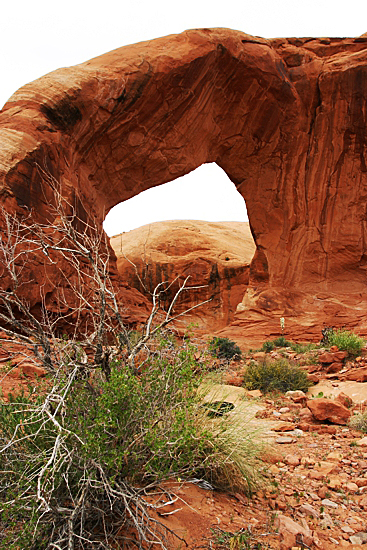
(215, 256)
(284, 118)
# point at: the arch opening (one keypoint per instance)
(195, 226)
(205, 194)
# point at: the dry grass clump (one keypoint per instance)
(359, 422)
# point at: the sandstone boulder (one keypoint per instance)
(328, 409)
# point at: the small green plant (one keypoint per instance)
(303, 348)
(85, 448)
(240, 540)
(275, 376)
(359, 422)
(223, 348)
(267, 346)
(279, 342)
(346, 341)
(282, 342)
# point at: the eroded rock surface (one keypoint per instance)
(284, 118)
(215, 257)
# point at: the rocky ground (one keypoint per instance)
(315, 495)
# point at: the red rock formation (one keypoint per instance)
(216, 257)
(285, 119)
(326, 409)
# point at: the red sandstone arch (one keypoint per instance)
(284, 118)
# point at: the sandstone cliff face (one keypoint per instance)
(285, 119)
(216, 257)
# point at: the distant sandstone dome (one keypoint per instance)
(215, 255)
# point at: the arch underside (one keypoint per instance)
(284, 118)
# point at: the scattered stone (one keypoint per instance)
(329, 503)
(357, 375)
(297, 396)
(334, 367)
(255, 393)
(284, 410)
(347, 529)
(309, 510)
(334, 456)
(362, 442)
(292, 460)
(351, 487)
(358, 538)
(335, 482)
(284, 440)
(313, 378)
(326, 521)
(284, 427)
(326, 357)
(288, 529)
(344, 400)
(323, 469)
(305, 414)
(233, 379)
(323, 491)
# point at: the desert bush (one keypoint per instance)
(346, 341)
(359, 422)
(282, 342)
(267, 346)
(223, 348)
(118, 413)
(279, 342)
(76, 460)
(277, 375)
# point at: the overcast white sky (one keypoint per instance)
(38, 36)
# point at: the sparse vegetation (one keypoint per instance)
(268, 346)
(239, 540)
(277, 375)
(118, 413)
(346, 341)
(223, 348)
(281, 342)
(84, 452)
(359, 422)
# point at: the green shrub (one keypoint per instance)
(223, 348)
(359, 422)
(303, 348)
(267, 346)
(87, 448)
(346, 341)
(281, 342)
(275, 376)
